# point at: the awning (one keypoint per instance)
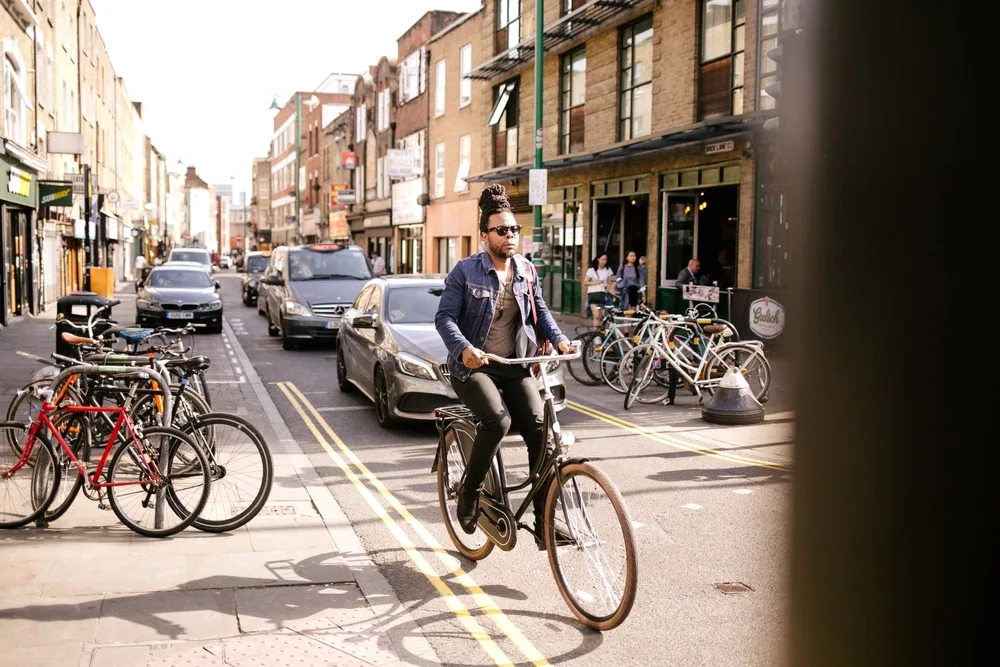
(594, 14)
(703, 131)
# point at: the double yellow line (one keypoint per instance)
(324, 435)
(659, 437)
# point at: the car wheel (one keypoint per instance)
(382, 409)
(260, 310)
(342, 382)
(271, 329)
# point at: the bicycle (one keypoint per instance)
(140, 475)
(570, 518)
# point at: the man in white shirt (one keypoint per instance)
(140, 266)
(378, 264)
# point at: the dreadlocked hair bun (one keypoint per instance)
(493, 199)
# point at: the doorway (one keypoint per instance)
(621, 225)
(16, 263)
(702, 223)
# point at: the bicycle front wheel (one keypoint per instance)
(578, 367)
(591, 546)
(164, 503)
(242, 470)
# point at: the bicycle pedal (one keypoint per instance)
(102, 506)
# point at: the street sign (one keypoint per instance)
(700, 293)
(77, 181)
(346, 197)
(538, 187)
(113, 197)
(349, 159)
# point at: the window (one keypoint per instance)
(379, 120)
(504, 119)
(439, 170)
(464, 163)
(635, 108)
(574, 94)
(359, 123)
(15, 102)
(720, 80)
(465, 83)
(571, 5)
(508, 24)
(439, 81)
(359, 183)
(770, 26)
(412, 76)
(447, 253)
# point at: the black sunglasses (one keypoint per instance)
(502, 230)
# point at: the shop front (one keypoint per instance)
(20, 280)
(376, 235)
(408, 219)
(561, 253)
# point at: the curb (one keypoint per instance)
(404, 631)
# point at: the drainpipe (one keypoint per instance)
(39, 232)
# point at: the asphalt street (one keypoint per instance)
(708, 509)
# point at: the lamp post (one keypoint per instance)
(536, 231)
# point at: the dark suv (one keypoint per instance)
(306, 289)
(252, 268)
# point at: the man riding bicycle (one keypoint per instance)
(492, 303)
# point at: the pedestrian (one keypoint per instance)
(378, 264)
(689, 274)
(627, 281)
(596, 281)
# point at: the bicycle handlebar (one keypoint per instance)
(555, 356)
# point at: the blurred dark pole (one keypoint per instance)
(888, 125)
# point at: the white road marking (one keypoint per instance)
(691, 506)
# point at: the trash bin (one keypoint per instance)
(76, 308)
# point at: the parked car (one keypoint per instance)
(197, 255)
(179, 293)
(391, 351)
(306, 289)
(253, 267)
(224, 262)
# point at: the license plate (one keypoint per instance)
(332, 324)
(180, 315)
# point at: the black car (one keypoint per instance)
(306, 289)
(252, 267)
(176, 294)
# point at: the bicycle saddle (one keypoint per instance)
(73, 339)
(135, 335)
(192, 365)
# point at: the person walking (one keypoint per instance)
(627, 281)
(596, 281)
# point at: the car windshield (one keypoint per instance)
(187, 256)
(175, 279)
(414, 304)
(324, 265)
(257, 264)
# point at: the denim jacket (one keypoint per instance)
(465, 312)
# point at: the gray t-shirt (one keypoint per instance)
(506, 320)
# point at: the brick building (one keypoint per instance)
(337, 139)
(650, 119)
(413, 109)
(260, 202)
(305, 109)
(455, 152)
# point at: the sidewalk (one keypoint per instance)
(294, 586)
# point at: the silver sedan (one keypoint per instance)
(390, 351)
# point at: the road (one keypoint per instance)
(704, 515)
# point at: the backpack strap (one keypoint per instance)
(531, 277)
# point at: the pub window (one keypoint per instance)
(635, 106)
(723, 30)
(504, 120)
(770, 26)
(574, 95)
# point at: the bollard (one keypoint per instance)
(733, 403)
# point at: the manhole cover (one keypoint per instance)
(733, 587)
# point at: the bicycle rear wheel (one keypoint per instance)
(578, 367)
(591, 546)
(458, 439)
(163, 507)
(29, 479)
(242, 470)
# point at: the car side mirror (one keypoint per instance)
(272, 280)
(217, 286)
(364, 321)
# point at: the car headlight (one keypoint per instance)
(253, 283)
(146, 304)
(296, 308)
(211, 305)
(415, 367)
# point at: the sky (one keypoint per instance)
(206, 71)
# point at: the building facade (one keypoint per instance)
(454, 147)
(650, 119)
(260, 203)
(337, 174)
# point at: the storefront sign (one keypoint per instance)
(719, 147)
(19, 182)
(349, 159)
(339, 228)
(405, 209)
(709, 294)
(404, 162)
(55, 193)
(77, 181)
(767, 318)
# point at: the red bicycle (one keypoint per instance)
(156, 480)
